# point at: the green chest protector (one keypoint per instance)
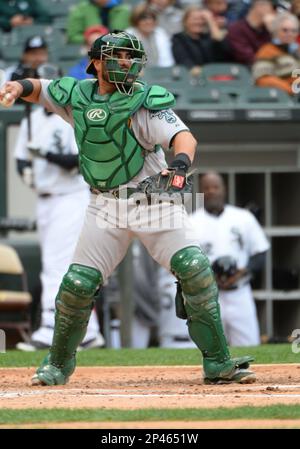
(109, 153)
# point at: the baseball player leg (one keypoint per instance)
(140, 334)
(173, 332)
(200, 294)
(74, 304)
(239, 316)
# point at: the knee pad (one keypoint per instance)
(79, 286)
(191, 266)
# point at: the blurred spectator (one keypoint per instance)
(169, 16)
(156, 41)
(201, 41)
(219, 9)
(247, 35)
(110, 13)
(237, 9)
(295, 9)
(35, 53)
(92, 33)
(15, 13)
(275, 61)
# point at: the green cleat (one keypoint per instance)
(231, 371)
(49, 374)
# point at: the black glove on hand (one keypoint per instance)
(181, 164)
(171, 180)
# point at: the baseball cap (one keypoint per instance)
(35, 42)
(101, 29)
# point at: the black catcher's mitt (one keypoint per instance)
(171, 183)
(224, 267)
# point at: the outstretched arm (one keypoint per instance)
(28, 89)
(184, 147)
(184, 142)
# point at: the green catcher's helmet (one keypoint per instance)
(106, 48)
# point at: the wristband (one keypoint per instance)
(27, 87)
(181, 161)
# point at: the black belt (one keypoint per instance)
(45, 195)
(117, 193)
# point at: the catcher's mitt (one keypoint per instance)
(171, 183)
(224, 267)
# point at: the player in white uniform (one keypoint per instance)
(62, 198)
(172, 331)
(225, 230)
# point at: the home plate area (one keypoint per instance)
(149, 386)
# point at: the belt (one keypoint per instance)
(117, 193)
(45, 195)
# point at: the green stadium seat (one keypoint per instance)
(207, 95)
(264, 95)
(58, 8)
(11, 53)
(19, 34)
(225, 74)
(60, 23)
(69, 52)
(166, 75)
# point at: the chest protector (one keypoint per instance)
(109, 154)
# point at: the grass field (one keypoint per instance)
(275, 353)
(109, 415)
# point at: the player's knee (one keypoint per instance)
(191, 266)
(79, 285)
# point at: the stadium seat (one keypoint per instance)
(60, 23)
(11, 53)
(225, 74)
(202, 95)
(58, 8)
(166, 75)
(15, 298)
(69, 52)
(19, 34)
(264, 95)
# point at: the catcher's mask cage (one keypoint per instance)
(106, 48)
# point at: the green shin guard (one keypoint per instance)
(200, 299)
(74, 304)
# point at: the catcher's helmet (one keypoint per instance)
(224, 267)
(106, 48)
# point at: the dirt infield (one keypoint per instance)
(153, 386)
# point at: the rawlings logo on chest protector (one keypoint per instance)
(96, 115)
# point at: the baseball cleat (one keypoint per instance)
(97, 342)
(49, 374)
(240, 376)
(31, 346)
(35, 381)
(233, 370)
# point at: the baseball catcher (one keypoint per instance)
(121, 127)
